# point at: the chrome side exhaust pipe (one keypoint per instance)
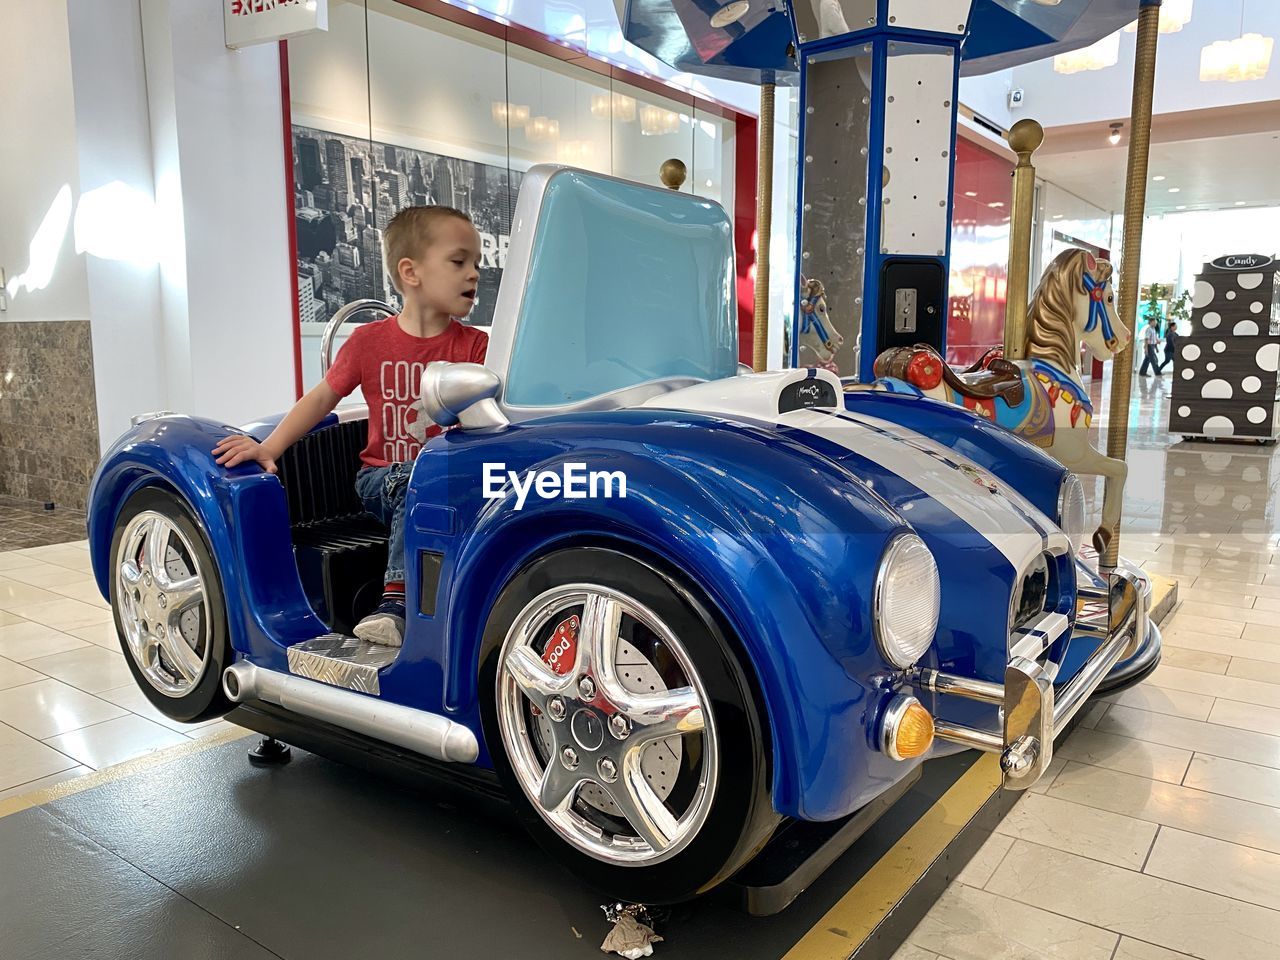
(426, 733)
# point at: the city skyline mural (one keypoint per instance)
(347, 189)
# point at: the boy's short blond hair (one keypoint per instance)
(409, 234)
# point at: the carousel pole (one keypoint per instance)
(1135, 202)
(764, 225)
(1025, 138)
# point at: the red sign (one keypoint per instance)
(247, 8)
(266, 21)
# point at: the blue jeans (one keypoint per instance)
(382, 490)
(1150, 360)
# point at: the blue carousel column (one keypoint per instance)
(878, 82)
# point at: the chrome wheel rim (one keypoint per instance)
(588, 745)
(163, 604)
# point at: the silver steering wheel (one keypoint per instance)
(343, 314)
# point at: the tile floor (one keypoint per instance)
(25, 524)
(1156, 833)
(68, 704)
(1154, 836)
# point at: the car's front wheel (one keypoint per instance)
(621, 720)
(169, 608)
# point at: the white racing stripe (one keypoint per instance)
(1004, 517)
(1055, 539)
(967, 496)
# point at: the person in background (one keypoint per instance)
(1150, 341)
(1170, 344)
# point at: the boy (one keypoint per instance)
(433, 256)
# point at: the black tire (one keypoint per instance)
(741, 816)
(205, 700)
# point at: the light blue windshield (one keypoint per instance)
(626, 285)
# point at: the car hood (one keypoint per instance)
(929, 485)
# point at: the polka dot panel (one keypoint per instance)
(1227, 367)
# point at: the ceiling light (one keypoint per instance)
(970, 193)
(1182, 206)
(540, 129)
(1245, 58)
(1174, 15)
(996, 204)
(1241, 203)
(618, 106)
(504, 113)
(730, 13)
(1114, 136)
(1158, 177)
(576, 153)
(1175, 189)
(1098, 56)
(1057, 216)
(656, 122)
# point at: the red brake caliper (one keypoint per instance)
(562, 650)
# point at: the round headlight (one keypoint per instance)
(907, 599)
(1073, 517)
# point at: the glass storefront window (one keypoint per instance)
(978, 284)
(658, 129)
(559, 113)
(394, 107)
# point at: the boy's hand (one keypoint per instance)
(235, 450)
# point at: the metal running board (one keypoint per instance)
(341, 661)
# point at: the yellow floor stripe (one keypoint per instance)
(119, 771)
(847, 924)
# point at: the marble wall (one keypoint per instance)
(48, 413)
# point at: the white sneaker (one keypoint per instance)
(385, 625)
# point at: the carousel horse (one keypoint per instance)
(816, 325)
(1042, 398)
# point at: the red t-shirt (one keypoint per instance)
(387, 364)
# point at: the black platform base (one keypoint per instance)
(800, 852)
(320, 859)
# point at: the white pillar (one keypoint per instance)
(113, 146)
(218, 156)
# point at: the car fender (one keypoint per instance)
(242, 512)
(796, 597)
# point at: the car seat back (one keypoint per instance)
(612, 292)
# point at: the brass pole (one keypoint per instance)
(1135, 203)
(764, 225)
(1025, 138)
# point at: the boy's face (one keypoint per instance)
(445, 277)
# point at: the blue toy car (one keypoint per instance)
(669, 603)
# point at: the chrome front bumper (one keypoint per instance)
(1034, 714)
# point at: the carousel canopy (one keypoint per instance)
(753, 48)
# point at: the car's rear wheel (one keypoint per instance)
(621, 720)
(169, 609)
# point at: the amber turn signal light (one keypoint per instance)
(907, 728)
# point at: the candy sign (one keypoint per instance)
(266, 21)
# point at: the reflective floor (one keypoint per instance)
(1156, 833)
(68, 704)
